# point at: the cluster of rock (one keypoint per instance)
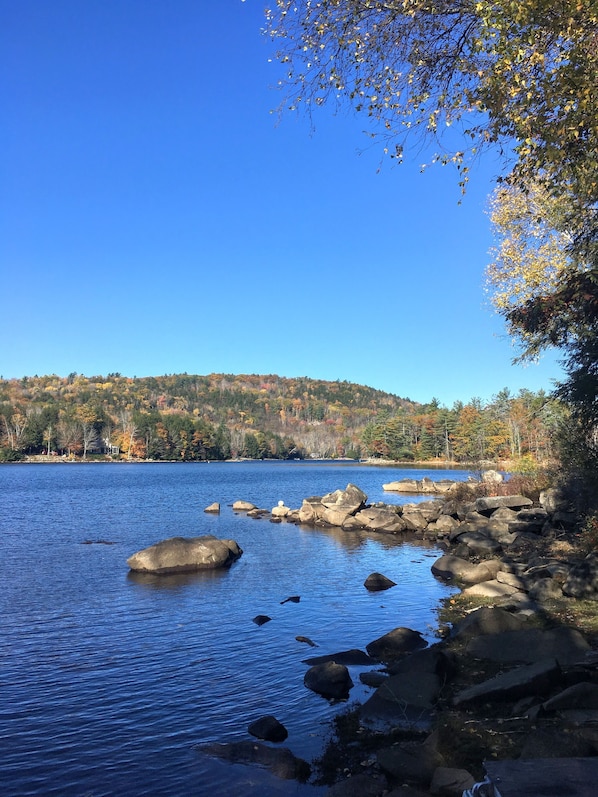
(500, 666)
(483, 538)
(545, 694)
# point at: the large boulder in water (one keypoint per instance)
(185, 555)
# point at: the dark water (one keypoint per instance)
(109, 682)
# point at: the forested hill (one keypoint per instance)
(281, 415)
(189, 417)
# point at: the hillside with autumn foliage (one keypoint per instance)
(221, 416)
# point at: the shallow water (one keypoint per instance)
(109, 681)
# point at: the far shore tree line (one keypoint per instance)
(218, 417)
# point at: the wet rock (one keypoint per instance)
(306, 640)
(347, 657)
(376, 582)
(373, 678)
(269, 729)
(261, 619)
(396, 643)
(330, 680)
(185, 554)
(291, 599)
(280, 761)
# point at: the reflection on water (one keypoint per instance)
(111, 679)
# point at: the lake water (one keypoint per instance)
(110, 681)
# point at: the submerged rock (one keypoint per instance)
(280, 761)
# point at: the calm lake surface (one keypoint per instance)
(110, 681)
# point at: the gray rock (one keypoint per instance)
(269, 729)
(454, 567)
(396, 643)
(330, 680)
(336, 515)
(489, 504)
(487, 620)
(490, 589)
(552, 743)
(376, 582)
(450, 782)
(531, 679)
(379, 519)
(185, 554)
(372, 678)
(411, 688)
(582, 581)
(479, 543)
(545, 589)
(566, 645)
(414, 520)
(583, 696)
(311, 510)
(351, 498)
(554, 500)
(360, 785)
(243, 506)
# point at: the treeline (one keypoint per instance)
(187, 417)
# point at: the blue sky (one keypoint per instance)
(156, 217)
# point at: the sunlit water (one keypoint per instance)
(109, 681)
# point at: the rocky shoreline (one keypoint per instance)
(510, 677)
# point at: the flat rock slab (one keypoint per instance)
(531, 679)
(416, 688)
(529, 645)
(496, 502)
(384, 716)
(554, 777)
(490, 589)
(280, 761)
(346, 657)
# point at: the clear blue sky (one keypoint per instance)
(156, 217)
